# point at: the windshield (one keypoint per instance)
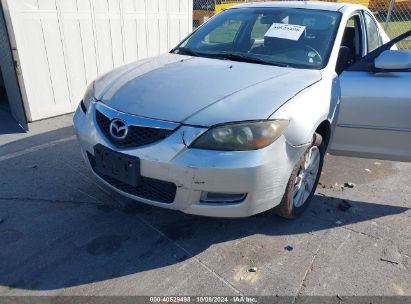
(295, 37)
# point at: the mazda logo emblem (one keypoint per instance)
(118, 129)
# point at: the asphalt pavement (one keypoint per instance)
(63, 233)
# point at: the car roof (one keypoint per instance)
(328, 6)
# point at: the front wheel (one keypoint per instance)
(303, 181)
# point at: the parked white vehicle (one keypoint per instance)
(237, 118)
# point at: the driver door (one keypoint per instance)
(374, 119)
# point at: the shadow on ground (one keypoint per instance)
(8, 124)
(60, 229)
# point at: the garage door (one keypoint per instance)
(61, 45)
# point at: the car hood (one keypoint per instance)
(201, 91)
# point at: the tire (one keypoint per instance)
(291, 205)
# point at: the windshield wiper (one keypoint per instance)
(224, 55)
(245, 58)
(185, 51)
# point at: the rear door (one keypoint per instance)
(374, 118)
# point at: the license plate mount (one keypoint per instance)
(122, 167)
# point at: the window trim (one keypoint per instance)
(362, 29)
(364, 12)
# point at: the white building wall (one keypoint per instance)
(62, 45)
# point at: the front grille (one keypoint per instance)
(136, 136)
(149, 188)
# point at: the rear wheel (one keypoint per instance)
(303, 181)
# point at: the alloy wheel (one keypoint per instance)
(306, 177)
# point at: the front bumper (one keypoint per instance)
(261, 174)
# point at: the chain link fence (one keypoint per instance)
(395, 18)
(393, 15)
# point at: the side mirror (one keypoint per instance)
(393, 60)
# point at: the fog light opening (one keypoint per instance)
(222, 198)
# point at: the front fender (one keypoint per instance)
(308, 109)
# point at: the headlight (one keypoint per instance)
(89, 96)
(241, 136)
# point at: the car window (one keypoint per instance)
(259, 29)
(368, 61)
(282, 36)
(352, 38)
(373, 35)
(225, 33)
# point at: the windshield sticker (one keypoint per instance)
(285, 31)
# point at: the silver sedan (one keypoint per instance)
(237, 118)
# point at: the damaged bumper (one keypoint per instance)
(202, 182)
